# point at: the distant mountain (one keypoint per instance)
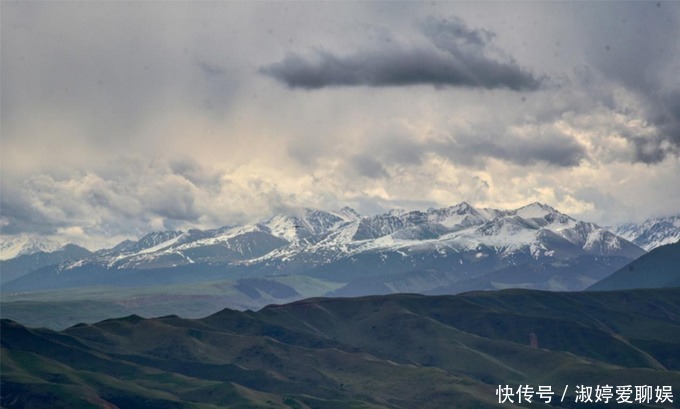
(19, 266)
(576, 273)
(147, 244)
(657, 269)
(652, 233)
(457, 243)
(22, 244)
(383, 352)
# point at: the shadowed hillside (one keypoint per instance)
(657, 269)
(396, 351)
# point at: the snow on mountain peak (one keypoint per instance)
(303, 223)
(397, 212)
(535, 210)
(463, 207)
(322, 236)
(21, 244)
(284, 226)
(653, 233)
(349, 214)
(459, 216)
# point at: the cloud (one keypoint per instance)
(643, 58)
(667, 120)
(107, 202)
(648, 121)
(454, 56)
(85, 87)
(366, 165)
(525, 145)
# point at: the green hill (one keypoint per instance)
(657, 269)
(396, 351)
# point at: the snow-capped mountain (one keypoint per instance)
(461, 242)
(308, 223)
(12, 246)
(16, 267)
(538, 228)
(149, 243)
(652, 233)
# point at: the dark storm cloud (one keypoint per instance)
(537, 146)
(524, 147)
(638, 56)
(667, 121)
(662, 112)
(455, 56)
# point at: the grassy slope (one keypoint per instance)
(60, 309)
(398, 351)
(657, 269)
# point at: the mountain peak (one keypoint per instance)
(464, 208)
(535, 210)
(17, 245)
(539, 205)
(397, 212)
(463, 205)
(653, 233)
(303, 222)
(349, 212)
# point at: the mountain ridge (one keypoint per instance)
(657, 269)
(12, 246)
(460, 241)
(390, 352)
(652, 233)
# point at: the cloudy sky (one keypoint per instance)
(122, 118)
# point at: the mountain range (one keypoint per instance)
(310, 253)
(309, 346)
(461, 242)
(652, 233)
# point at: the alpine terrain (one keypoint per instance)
(310, 253)
(652, 233)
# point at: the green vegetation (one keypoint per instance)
(660, 268)
(397, 351)
(60, 309)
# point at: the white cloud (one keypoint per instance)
(118, 119)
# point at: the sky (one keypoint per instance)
(122, 118)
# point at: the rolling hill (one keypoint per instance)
(657, 269)
(394, 351)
